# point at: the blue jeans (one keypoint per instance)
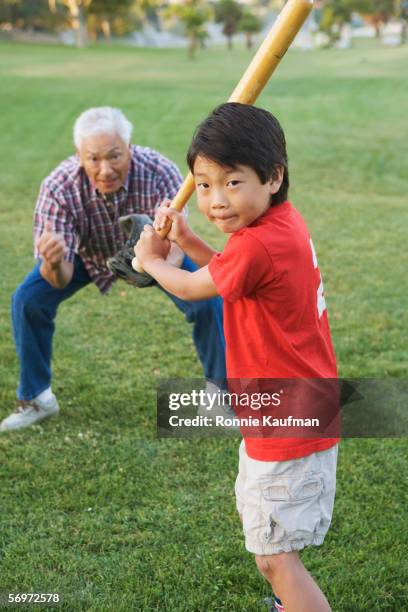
(34, 307)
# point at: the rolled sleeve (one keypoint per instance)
(241, 268)
(51, 208)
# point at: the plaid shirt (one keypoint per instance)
(88, 220)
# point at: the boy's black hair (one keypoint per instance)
(239, 134)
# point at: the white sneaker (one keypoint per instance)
(29, 412)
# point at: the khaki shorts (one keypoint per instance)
(286, 505)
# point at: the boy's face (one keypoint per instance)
(232, 198)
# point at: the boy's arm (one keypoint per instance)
(198, 250)
(151, 252)
(189, 286)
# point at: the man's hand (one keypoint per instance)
(179, 228)
(150, 246)
(51, 247)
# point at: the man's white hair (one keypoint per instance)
(102, 120)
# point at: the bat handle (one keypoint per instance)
(164, 231)
(183, 195)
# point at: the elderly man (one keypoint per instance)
(76, 230)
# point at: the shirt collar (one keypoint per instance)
(112, 196)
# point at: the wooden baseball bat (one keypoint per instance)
(280, 37)
(259, 71)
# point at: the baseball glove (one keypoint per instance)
(121, 264)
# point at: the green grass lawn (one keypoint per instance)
(92, 504)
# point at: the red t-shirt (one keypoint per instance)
(275, 317)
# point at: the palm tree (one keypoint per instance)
(77, 13)
(229, 13)
(193, 16)
(250, 24)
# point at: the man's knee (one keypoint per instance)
(20, 297)
(270, 565)
(28, 299)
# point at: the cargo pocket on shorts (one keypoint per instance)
(291, 507)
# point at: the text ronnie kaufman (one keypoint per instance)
(222, 421)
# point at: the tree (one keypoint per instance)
(29, 15)
(379, 12)
(119, 16)
(77, 13)
(335, 14)
(229, 13)
(193, 16)
(113, 16)
(403, 15)
(250, 24)
(150, 9)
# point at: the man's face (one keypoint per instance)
(232, 198)
(105, 159)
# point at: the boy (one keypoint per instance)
(275, 324)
